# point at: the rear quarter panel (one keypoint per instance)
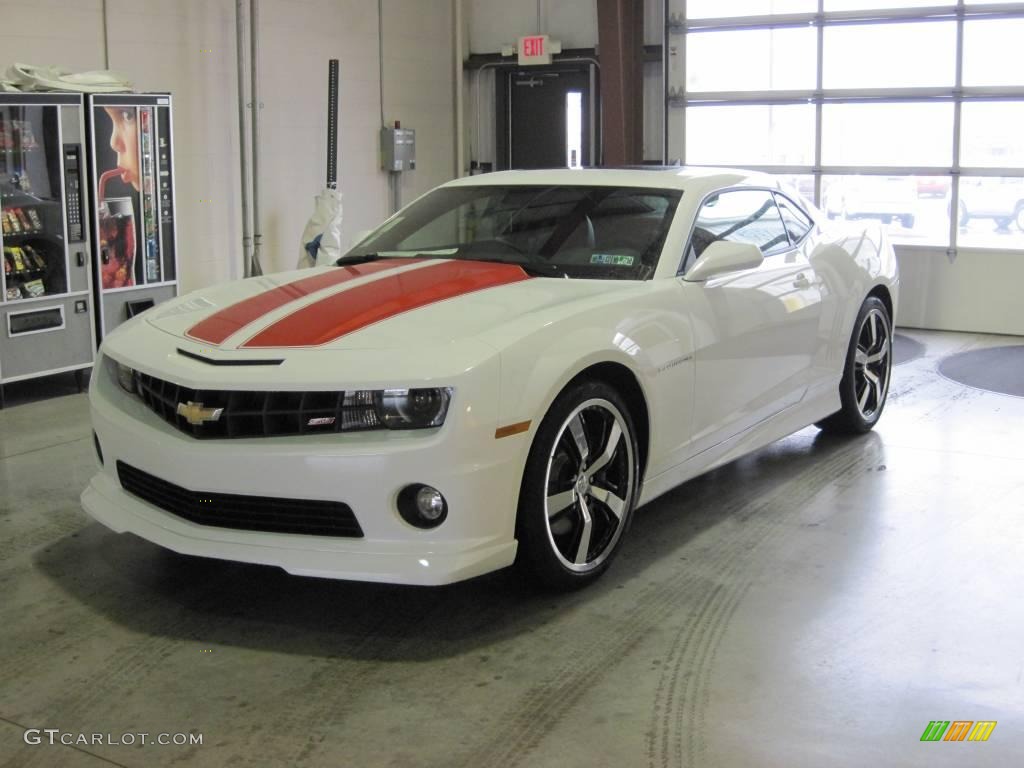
(850, 260)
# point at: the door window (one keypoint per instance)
(797, 223)
(743, 216)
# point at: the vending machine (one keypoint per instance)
(46, 305)
(131, 167)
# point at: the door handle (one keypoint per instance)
(801, 281)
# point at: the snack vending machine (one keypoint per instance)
(132, 184)
(46, 306)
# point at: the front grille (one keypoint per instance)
(245, 513)
(258, 414)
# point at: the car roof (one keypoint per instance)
(696, 180)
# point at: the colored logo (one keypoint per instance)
(958, 730)
(195, 414)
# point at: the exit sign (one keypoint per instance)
(534, 49)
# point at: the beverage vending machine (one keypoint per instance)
(131, 168)
(46, 305)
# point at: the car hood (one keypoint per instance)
(387, 304)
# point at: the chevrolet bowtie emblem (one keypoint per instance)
(195, 414)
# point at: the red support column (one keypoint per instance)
(620, 29)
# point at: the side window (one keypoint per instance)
(797, 223)
(741, 215)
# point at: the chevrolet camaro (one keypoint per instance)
(501, 373)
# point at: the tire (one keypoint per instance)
(557, 499)
(1018, 216)
(864, 386)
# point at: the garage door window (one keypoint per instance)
(907, 112)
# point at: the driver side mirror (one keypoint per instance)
(724, 256)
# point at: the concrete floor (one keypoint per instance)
(815, 604)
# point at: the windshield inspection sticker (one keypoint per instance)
(612, 259)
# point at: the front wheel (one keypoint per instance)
(1018, 216)
(579, 488)
(864, 386)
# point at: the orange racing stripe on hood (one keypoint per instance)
(354, 309)
(219, 326)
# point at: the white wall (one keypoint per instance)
(28, 33)
(299, 38)
(978, 291)
(187, 47)
(493, 23)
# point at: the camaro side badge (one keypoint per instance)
(195, 414)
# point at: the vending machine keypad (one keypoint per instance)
(73, 191)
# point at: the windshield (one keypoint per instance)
(559, 231)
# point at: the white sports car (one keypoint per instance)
(501, 373)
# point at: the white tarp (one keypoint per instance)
(28, 77)
(321, 239)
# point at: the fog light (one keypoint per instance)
(422, 506)
(430, 503)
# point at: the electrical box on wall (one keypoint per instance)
(398, 149)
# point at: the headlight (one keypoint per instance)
(125, 377)
(413, 408)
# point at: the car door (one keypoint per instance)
(755, 331)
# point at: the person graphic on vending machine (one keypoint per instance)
(118, 196)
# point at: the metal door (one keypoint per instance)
(550, 118)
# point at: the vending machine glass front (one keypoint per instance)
(31, 211)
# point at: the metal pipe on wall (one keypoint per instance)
(242, 143)
(394, 179)
(380, 57)
(666, 33)
(460, 107)
(476, 153)
(254, 70)
(106, 37)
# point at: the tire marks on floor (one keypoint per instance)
(678, 725)
(716, 591)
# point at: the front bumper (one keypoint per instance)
(478, 475)
(356, 560)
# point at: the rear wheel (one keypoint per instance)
(865, 384)
(579, 488)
